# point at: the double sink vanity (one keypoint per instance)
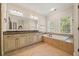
(19, 39)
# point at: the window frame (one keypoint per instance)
(49, 28)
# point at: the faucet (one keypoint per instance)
(50, 35)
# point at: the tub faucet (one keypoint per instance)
(50, 35)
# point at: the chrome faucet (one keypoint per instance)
(50, 35)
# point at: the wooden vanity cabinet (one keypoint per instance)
(12, 42)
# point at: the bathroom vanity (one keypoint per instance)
(21, 32)
(18, 39)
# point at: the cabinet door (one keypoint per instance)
(5, 43)
(36, 37)
(12, 44)
(39, 37)
(9, 43)
(27, 39)
(22, 41)
(31, 37)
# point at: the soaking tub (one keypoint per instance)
(60, 37)
(62, 42)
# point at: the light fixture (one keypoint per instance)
(52, 9)
(34, 17)
(31, 16)
(14, 12)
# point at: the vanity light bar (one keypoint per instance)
(34, 17)
(14, 12)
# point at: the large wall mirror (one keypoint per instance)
(21, 23)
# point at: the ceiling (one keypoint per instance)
(44, 8)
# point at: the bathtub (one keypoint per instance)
(60, 37)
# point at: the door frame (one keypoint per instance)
(75, 30)
(0, 29)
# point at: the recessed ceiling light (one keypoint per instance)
(52, 9)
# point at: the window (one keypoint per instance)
(52, 26)
(62, 25)
(65, 24)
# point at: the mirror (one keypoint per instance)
(22, 23)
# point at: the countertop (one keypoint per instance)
(19, 32)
